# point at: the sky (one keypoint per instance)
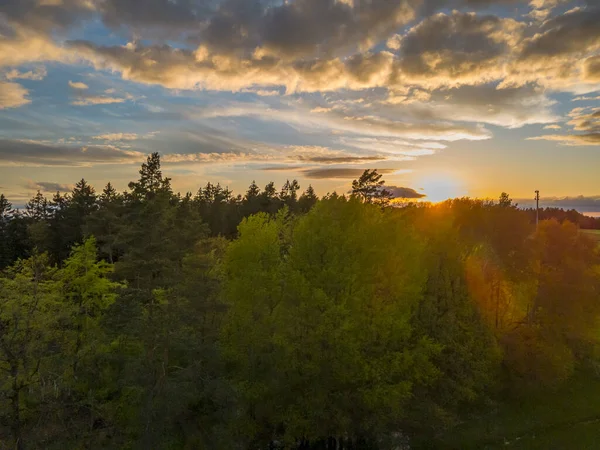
(446, 98)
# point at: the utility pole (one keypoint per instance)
(537, 209)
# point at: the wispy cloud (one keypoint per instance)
(37, 74)
(116, 137)
(36, 153)
(97, 100)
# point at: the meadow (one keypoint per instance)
(595, 234)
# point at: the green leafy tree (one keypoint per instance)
(469, 360)
(321, 338)
(30, 338)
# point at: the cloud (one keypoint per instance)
(510, 107)
(305, 45)
(19, 45)
(339, 173)
(37, 74)
(573, 33)
(592, 69)
(97, 100)
(374, 79)
(459, 48)
(404, 192)
(213, 157)
(303, 28)
(85, 99)
(584, 98)
(117, 137)
(570, 139)
(178, 68)
(36, 153)
(263, 92)
(313, 155)
(47, 186)
(591, 203)
(338, 121)
(78, 85)
(341, 159)
(12, 95)
(552, 127)
(555, 53)
(47, 15)
(586, 120)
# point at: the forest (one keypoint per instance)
(148, 319)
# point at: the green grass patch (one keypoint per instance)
(595, 234)
(566, 418)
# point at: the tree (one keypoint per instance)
(106, 223)
(30, 314)
(251, 204)
(505, 201)
(218, 208)
(253, 192)
(307, 200)
(469, 360)
(37, 211)
(86, 286)
(151, 181)
(288, 194)
(6, 214)
(37, 208)
(320, 339)
(270, 203)
(370, 188)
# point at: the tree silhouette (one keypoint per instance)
(370, 188)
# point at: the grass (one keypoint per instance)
(595, 234)
(567, 418)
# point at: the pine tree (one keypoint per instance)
(151, 181)
(307, 199)
(370, 188)
(6, 214)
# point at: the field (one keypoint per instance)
(593, 233)
(568, 418)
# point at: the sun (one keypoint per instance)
(439, 186)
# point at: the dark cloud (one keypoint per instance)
(592, 69)
(573, 33)
(281, 168)
(339, 159)
(173, 14)
(455, 46)
(47, 186)
(339, 173)
(46, 15)
(581, 203)
(34, 153)
(404, 192)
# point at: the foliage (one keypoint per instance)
(152, 319)
(325, 333)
